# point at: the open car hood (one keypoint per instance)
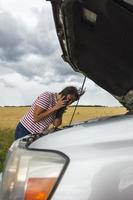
(96, 37)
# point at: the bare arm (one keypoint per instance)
(57, 122)
(40, 113)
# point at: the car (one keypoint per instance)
(0, 179)
(90, 160)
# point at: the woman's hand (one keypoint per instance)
(60, 103)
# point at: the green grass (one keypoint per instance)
(6, 139)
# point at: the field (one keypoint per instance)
(9, 117)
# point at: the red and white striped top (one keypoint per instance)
(46, 101)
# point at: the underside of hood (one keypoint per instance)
(96, 37)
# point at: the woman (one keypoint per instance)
(47, 109)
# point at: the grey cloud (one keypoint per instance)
(17, 40)
(6, 83)
(5, 69)
(61, 67)
(33, 52)
(43, 36)
(53, 77)
(12, 34)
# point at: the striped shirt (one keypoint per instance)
(46, 100)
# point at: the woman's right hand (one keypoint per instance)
(60, 103)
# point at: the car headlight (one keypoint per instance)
(32, 174)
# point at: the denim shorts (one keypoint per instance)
(21, 131)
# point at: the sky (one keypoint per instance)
(30, 57)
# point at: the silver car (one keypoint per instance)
(92, 160)
(88, 161)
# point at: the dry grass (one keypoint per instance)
(86, 113)
(9, 116)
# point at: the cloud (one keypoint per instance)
(6, 83)
(12, 38)
(32, 52)
(17, 40)
(4, 68)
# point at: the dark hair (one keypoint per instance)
(73, 91)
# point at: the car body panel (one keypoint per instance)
(97, 131)
(101, 161)
(0, 179)
(96, 40)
